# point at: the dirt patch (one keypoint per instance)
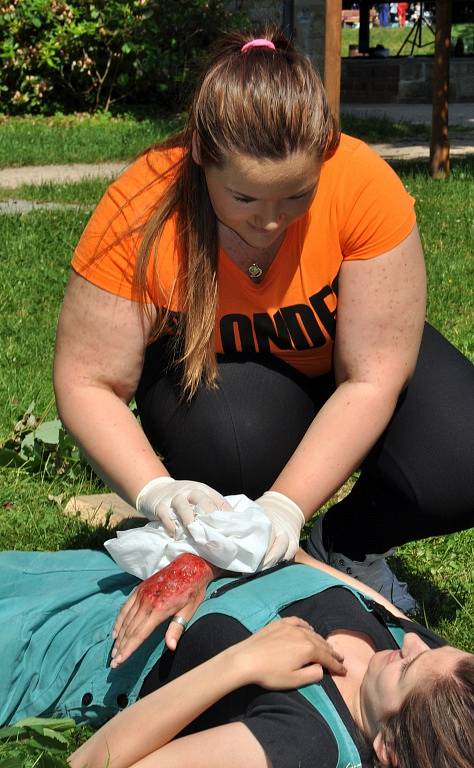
(39, 174)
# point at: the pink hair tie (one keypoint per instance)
(260, 42)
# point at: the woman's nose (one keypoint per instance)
(269, 218)
(413, 644)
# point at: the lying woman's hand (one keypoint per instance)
(286, 654)
(179, 588)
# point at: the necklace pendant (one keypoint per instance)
(255, 272)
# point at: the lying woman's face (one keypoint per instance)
(392, 675)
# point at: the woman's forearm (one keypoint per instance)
(154, 720)
(380, 318)
(111, 437)
(341, 435)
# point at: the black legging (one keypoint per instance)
(417, 481)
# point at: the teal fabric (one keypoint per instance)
(57, 612)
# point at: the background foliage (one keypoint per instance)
(90, 54)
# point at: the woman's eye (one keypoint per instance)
(242, 199)
(300, 197)
(405, 665)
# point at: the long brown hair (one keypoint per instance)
(263, 103)
(435, 726)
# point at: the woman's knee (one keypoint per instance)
(426, 452)
(236, 437)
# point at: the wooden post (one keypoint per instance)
(364, 26)
(332, 54)
(439, 149)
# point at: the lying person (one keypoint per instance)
(242, 687)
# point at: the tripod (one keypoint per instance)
(414, 36)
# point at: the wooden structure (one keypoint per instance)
(316, 27)
(439, 148)
(352, 17)
(332, 55)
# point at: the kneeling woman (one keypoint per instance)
(242, 688)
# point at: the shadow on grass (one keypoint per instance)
(93, 538)
(380, 128)
(436, 604)
(461, 168)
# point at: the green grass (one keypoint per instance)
(78, 138)
(393, 38)
(101, 139)
(447, 231)
(36, 250)
(35, 263)
(86, 192)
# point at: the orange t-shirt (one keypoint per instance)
(360, 211)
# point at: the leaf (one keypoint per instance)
(52, 723)
(9, 458)
(43, 741)
(49, 761)
(12, 762)
(48, 432)
(27, 444)
(40, 733)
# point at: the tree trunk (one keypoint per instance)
(439, 149)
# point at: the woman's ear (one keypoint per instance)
(196, 149)
(385, 754)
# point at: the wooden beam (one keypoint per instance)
(364, 26)
(332, 54)
(439, 149)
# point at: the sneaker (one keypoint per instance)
(373, 570)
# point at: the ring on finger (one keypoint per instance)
(180, 620)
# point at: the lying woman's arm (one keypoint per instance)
(285, 654)
(303, 557)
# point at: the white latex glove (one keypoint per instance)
(287, 521)
(165, 499)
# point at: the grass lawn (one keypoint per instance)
(36, 252)
(90, 139)
(78, 138)
(86, 192)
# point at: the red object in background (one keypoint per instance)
(402, 9)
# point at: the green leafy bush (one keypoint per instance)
(42, 447)
(37, 742)
(86, 55)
